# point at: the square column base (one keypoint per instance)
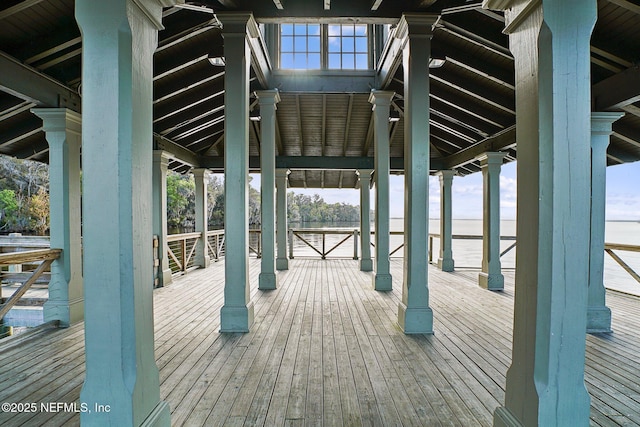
(492, 282)
(598, 320)
(446, 264)
(159, 417)
(203, 262)
(67, 312)
(166, 277)
(366, 264)
(504, 418)
(267, 281)
(415, 320)
(236, 319)
(282, 264)
(382, 282)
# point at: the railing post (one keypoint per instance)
(355, 244)
(323, 246)
(183, 254)
(290, 244)
(430, 249)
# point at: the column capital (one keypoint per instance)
(268, 97)
(446, 174)
(416, 24)
(601, 121)
(491, 158)
(162, 157)
(197, 172)
(282, 173)
(59, 119)
(381, 97)
(238, 23)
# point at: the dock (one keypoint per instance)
(325, 349)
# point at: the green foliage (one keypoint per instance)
(304, 208)
(181, 195)
(8, 208)
(24, 197)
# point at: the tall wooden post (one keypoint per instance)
(381, 100)
(118, 41)
(445, 260)
(364, 178)
(237, 313)
(598, 314)
(159, 212)
(550, 43)
(491, 275)
(268, 100)
(282, 262)
(201, 178)
(62, 128)
(414, 314)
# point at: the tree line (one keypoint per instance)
(24, 201)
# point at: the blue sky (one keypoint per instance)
(623, 194)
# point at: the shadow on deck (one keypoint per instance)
(325, 350)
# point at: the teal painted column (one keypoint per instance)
(364, 178)
(491, 275)
(598, 314)
(118, 41)
(62, 129)
(445, 261)
(550, 43)
(414, 314)
(381, 100)
(237, 313)
(201, 254)
(268, 100)
(159, 212)
(282, 262)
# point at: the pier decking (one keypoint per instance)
(325, 350)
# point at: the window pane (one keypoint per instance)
(347, 30)
(361, 30)
(334, 60)
(286, 29)
(286, 60)
(347, 44)
(286, 44)
(348, 62)
(362, 62)
(300, 44)
(300, 29)
(314, 61)
(300, 61)
(334, 44)
(361, 44)
(334, 30)
(314, 44)
(313, 29)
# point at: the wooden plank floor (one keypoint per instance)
(325, 350)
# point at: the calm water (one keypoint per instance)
(468, 253)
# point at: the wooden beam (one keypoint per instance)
(27, 83)
(21, 6)
(347, 125)
(632, 7)
(498, 142)
(180, 153)
(617, 91)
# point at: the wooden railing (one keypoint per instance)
(181, 249)
(215, 244)
(42, 256)
(303, 234)
(468, 237)
(610, 247)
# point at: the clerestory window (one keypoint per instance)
(322, 46)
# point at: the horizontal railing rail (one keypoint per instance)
(303, 235)
(181, 248)
(609, 249)
(468, 237)
(42, 256)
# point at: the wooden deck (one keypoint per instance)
(325, 350)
